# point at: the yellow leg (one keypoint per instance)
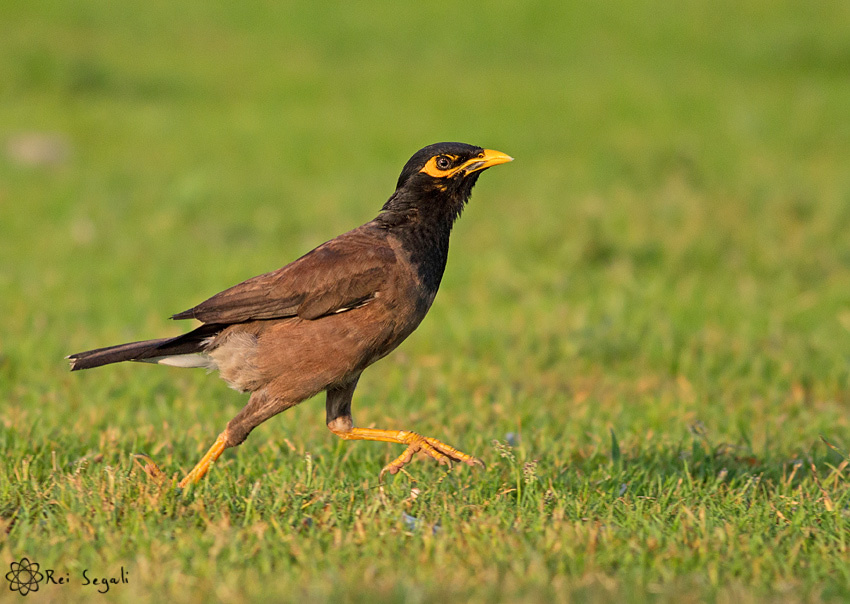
(203, 466)
(440, 451)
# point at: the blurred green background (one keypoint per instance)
(669, 254)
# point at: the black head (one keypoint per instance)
(446, 165)
(440, 177)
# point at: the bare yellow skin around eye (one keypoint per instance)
(431, 168)
(485, 159)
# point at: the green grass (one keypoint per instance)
(651, 303)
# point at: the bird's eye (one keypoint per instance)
(443, 162)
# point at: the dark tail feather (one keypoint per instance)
(114, 354)
(188, 343)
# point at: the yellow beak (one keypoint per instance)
(486, 159)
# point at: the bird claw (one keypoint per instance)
(473, 462)
(150, 468)
(452, 454)
(444, 455)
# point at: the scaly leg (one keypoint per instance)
(152, 470)
(443, 453)
(339, 422)
(203, 466)
(260, 407)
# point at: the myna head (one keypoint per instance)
(440, 178)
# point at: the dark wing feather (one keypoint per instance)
(340, 274)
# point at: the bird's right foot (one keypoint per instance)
(438, 450)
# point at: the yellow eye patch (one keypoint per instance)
(431, 168)
(485, 159)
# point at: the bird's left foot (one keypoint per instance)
(203, 466)
(194, 476)
(150, 468)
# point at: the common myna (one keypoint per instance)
(318, 322)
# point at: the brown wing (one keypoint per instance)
(340, 274)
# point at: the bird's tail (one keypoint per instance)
(134, 351)
(181, 351)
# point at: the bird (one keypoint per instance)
(317, 323)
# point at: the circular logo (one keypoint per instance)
(24, 576)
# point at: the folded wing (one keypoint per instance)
(341, 274)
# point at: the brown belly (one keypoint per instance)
(299, 358)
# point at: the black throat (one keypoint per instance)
(422, 220)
